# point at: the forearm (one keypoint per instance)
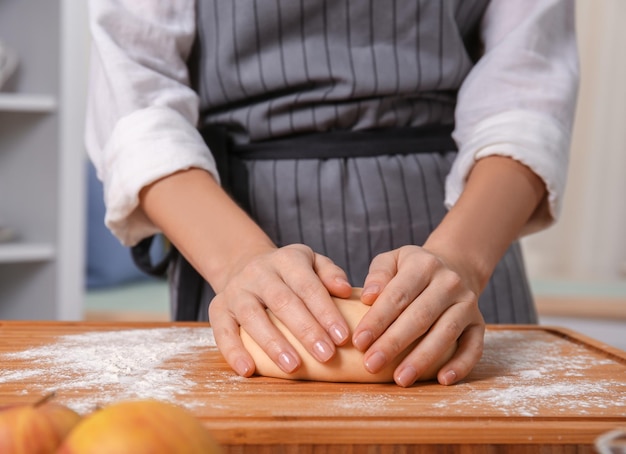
(204, 223)
(500, 197)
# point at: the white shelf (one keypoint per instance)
(18, 102)
(42, 160)
(26, 252)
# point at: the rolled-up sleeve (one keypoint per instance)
(519, 99)
(141, 112)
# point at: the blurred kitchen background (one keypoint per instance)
(57, 261)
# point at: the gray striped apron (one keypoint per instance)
(275, 76)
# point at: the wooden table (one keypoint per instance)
(535, 387)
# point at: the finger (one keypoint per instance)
(226, 333)
(289, 307)
(322, 307)
(327, 325)
(411, 324)
(252, 317)
(382, 270)
(435, 347)
(332, 276)
(276, 346)
(399, 294)
(417, 318)
(471, 344)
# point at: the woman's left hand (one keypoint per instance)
(413, 293)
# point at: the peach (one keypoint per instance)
(35, 429)
(140, 426)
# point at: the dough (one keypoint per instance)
(346, 365)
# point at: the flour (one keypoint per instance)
(532, 378)
(363, 401)
(518, 376)
(115, 365)
(527, 399)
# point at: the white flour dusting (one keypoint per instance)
(519, 375)
(530, 378)
(116, 364)
(358, 401)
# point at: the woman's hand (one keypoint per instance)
(249, 273)
(294, 283)
(432, 291)
(414, 293)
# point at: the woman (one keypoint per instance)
(292, 150)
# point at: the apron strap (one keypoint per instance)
(188, 293)
(143, 260)
(351, 144)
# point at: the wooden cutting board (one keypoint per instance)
(535, 386)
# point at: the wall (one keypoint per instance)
(589, 241)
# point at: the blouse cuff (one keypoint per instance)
(146, 146)
(533, 139)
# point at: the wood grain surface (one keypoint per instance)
(534, 387)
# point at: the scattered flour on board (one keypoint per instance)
(361, 401)
(117, 365)
(527, 379)
(532, 378)
(526, 374)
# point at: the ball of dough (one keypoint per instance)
(346, 365)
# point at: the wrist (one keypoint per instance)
(473, 267)
(184, 206)
(220, 270)
(500, 197)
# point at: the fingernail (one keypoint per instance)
(342, 281)
(449, 378)
(363, 340)
(242, 367)
(371, 289)
(375, 362)
(323, 352)
(407, 376)
(338, 334)
(287, 362)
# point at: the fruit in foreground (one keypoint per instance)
(137, 427)
(38, 428)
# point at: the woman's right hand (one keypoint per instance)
(293, 282)
(249, 273)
